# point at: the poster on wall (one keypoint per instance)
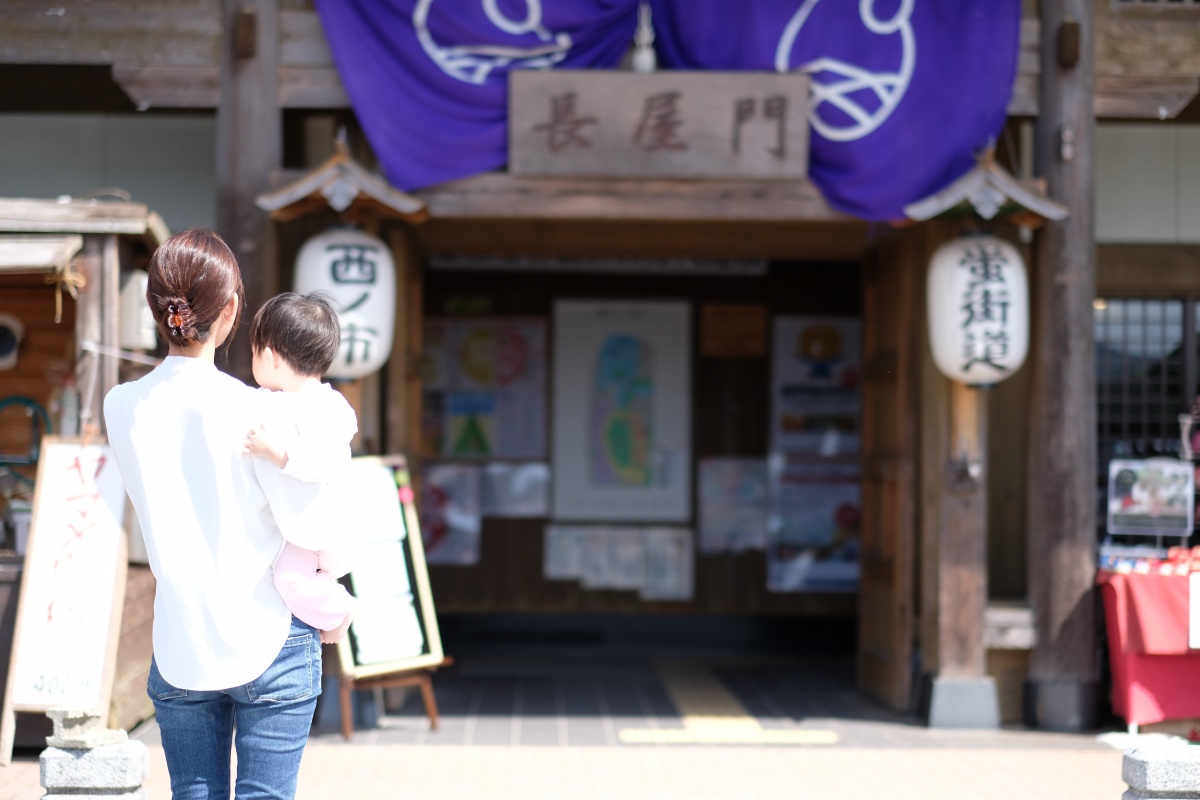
(1151, 497)
(813, 526)
(622, 411)
(516, 490)
(670, 564)
(450, 513)
(484, 384)
(816, 371)
(733, 504)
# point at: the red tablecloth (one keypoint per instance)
(1155, 676)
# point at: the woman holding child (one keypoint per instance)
(232, 666)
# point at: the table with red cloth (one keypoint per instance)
(1155, 675)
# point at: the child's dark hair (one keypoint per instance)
(303, 329)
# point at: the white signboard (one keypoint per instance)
(72, 586)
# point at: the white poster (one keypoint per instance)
(626, 558)
(450, 513)
(815, 385)
(670, 564)
(733, 504)
(516, 490)
(622, 411)
(594, 557)
(562, 552)
(813, 526)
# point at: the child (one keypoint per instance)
(294, 339)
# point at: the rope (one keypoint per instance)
(72, 281)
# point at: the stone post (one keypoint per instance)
(83, 759)
(1163, 773)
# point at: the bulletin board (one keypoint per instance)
(395, 626)
(72, 586)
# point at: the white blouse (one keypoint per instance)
(205, 510)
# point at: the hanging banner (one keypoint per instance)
(904, 93)
(428, 79)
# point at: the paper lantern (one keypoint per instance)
(357, 271)
(978, 305)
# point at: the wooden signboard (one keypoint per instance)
(395, 628)
(72, 587)
(673, 124)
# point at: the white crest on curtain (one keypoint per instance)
(473, 63)
(835, 82)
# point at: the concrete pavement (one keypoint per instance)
(532, 729)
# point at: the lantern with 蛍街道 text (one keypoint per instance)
(357, 271)
(978, 306)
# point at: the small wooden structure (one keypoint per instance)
(61, 262)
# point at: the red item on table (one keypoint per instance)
(1154, 673)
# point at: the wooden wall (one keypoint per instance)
(730, 418)
(45, 357)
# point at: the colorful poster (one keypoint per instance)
(484, 386)
(815, 391)
(670, 564)
(450, 509)
(516, 490)
(1152, 497)
(622, 401)
(733, 504)
(813, 526)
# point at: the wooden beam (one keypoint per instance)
(1147, 270)
(169, 87)
(78, 216)
(828, 241)
(502, 196)
(1061, 489)
(249, 147)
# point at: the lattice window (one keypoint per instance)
(1141, 386)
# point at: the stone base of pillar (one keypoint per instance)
(1068, 705)
(962, 703)
(1167, 773)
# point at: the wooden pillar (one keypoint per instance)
(954, 540)
(1061, 693)
(403, 374)
(249, 147)
(89, 327)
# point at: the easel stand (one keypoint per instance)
(422, 678)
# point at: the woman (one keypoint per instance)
(231, 665)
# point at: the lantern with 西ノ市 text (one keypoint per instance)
(357, 271)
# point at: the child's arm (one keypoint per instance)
(266, 442)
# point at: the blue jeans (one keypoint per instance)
(267, 720)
